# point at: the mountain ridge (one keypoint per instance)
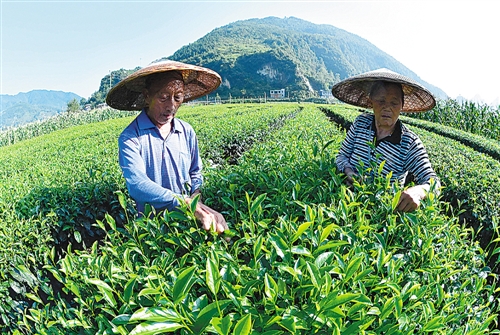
(291, 52)
(26, 107)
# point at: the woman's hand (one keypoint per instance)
(411, 197)
(350, 175)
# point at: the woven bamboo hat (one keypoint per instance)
(198, 81)
(356, 90)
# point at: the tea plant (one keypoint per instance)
(325, 260)
(469, 116)
(57, 122)
(55, 186)
(308, 255)
(477, 142)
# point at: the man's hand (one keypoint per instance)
(209, 217)
(410, 198)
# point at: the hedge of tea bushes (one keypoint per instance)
(307, 256)
(226, 133)
(57, 122)
(477, 118)
(479, 143)
(54, 187)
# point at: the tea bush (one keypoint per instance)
(54, 187)
(469, 116)
(307, 254)
(476, 142)
(57, 122)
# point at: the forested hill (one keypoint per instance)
(257, 55)
(31, 106)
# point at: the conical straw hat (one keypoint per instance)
(198, 81)
(356, 90)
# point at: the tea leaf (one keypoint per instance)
(300, 250)
(222, 326)
(151, 328)
(279, 245)
(212, 276)
(159, 314)
(333, 300)
(207, 313)
(243, 326)
(395, 200)
(302, 228)
(434, 324)
(270, 287)
(257, 247)
(314, 273)
(257, 202)
(353, 266)
(183, 284)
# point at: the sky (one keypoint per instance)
(71, 45)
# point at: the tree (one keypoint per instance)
(73, 106)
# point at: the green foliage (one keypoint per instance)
(58, 122)
(73, 106)
(243, 125)
(307, 255)
(475, 118)
(479, 143)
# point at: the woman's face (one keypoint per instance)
(387, 103)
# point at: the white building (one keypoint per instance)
(277, 94)
(325, 94)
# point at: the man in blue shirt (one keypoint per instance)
(159, 154)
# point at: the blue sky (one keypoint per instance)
(70, 45)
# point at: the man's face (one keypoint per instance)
(387, 103)
(163, 98)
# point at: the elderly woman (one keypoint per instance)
(381, 136)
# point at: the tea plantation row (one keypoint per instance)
(308, 255)
(471, 179)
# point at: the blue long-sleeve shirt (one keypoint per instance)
(157, 169)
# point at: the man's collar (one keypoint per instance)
(144, 122)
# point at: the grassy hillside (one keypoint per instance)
(308, 255)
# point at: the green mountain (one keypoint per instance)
(31, 106)
(258, 55)
(108, 81)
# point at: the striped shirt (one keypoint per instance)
(158, 170)
(403, 152)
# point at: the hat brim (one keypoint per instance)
(198, 81)
(356, 90)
